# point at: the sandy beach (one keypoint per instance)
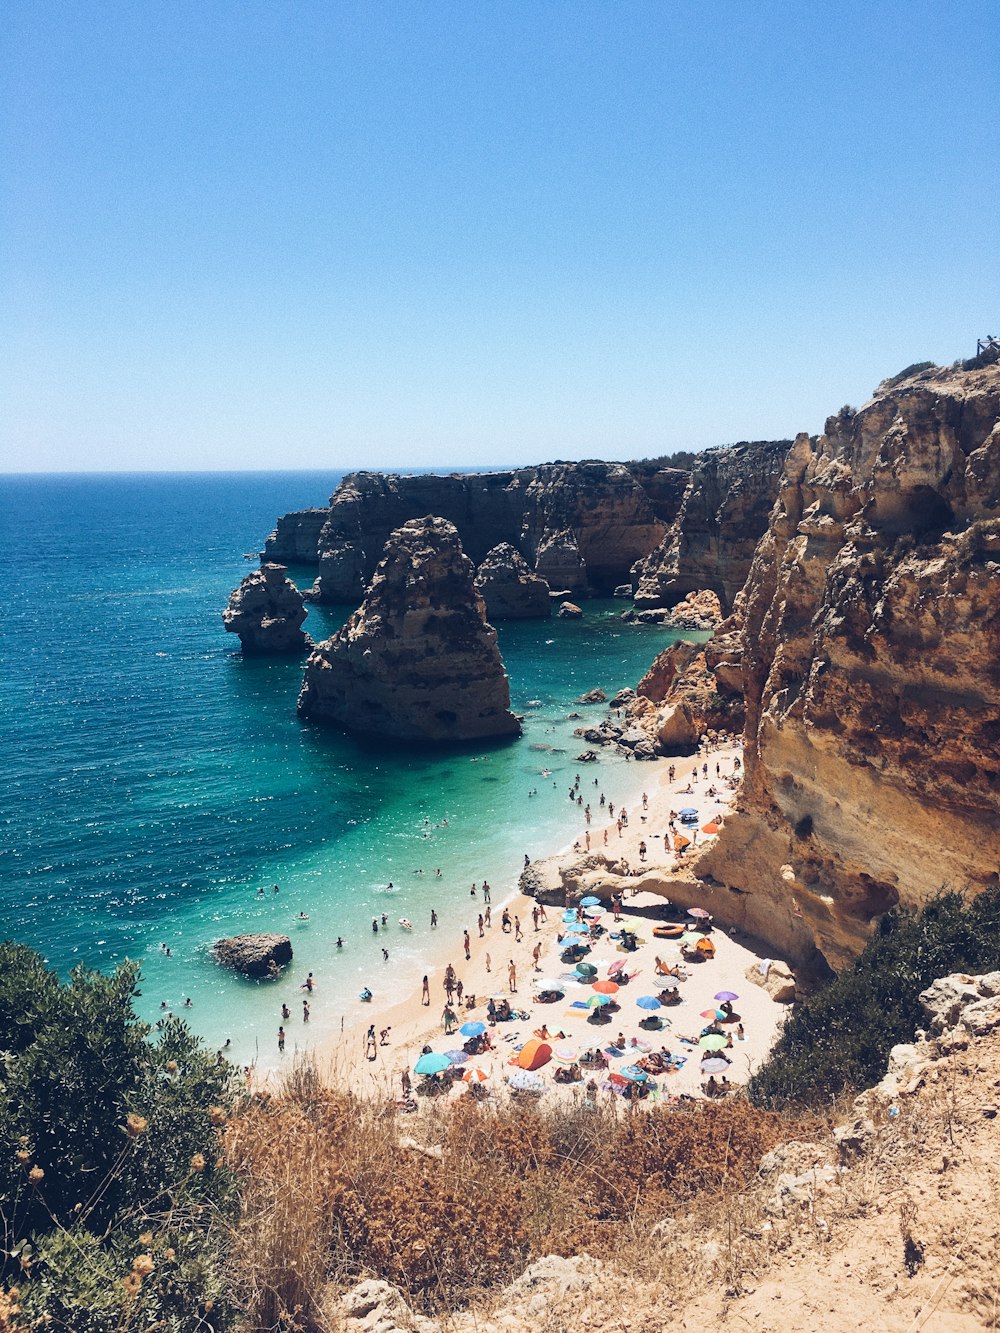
(346, 1059)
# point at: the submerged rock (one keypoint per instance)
(417, 660)
(267, 612)
(254, 955)
(509, 588)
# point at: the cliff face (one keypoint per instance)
(580, 525)
(295, 539)
(871, 663)
(266, 611)
(724, 513)
(509, 589)
(417, 660)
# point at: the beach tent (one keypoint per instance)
(706, 947)
(533, 1054)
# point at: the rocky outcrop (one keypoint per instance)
(417, 660)
(698, 611)
(267, 612)
(871, 665)
(295, 539)
(509, 589)
(581, 526)
(254, 955)
(711, 542)
(681, 699)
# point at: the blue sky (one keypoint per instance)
(245, 235)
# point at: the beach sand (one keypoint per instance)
(341, 1059)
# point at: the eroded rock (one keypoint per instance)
(509, 588)
(267, 613)
(254, 955)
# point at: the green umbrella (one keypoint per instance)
(691, 937)
(713, 1042)
(432, 1063)
(598, 1001)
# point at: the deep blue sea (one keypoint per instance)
(153, 781)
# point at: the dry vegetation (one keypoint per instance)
(458, 1200)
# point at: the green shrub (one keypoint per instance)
(839, 1040)
(108, 1152)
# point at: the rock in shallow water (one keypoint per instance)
(266, 611)
(254, 955)
(509, 588)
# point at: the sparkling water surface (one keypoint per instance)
(153, 781)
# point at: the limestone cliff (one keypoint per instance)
(579, 525)
(509, 589)
(417, 660)
(266, 611)
(295, 539)
(724, 513)
(871, 664)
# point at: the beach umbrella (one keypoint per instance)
(533, 1054)
(598, 1001)
(525, 1080)
(680, 842)
(590, 902)
(606, 987)
(564, 1054)
(457, 1057)
(546, 983)
(649, 1002)
(691, 937)
(586, 970)
(634, 1073)
(710, 828)
(727, 996)
(431, 1063)
(714, 1065)
(699, 912)
(714, 1014)
(688, 810)
(617, 966)
(474, 1029)
(706, 946)
(475, 1075)
(569, 915)
(715, 1041)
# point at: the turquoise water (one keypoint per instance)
(154, 781)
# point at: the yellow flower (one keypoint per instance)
(143, 1265)
(24, 1156)
(198, 1162)
(171, 1066)
(35, 1174)
(135, 1125)
(146, 1239)
(217, 1115)
(132, 1282)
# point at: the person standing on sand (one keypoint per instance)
(449, 1019)
(281, 1039)
(534, 916)
(479, 923)
(517, 930)
(425, 994)
(486, 917)
(536, 953)
(512, 976)
(489, 963)
(541, 913)
(466, 945)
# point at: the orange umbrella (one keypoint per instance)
(606, 987)
(713, 827)
(680, 842)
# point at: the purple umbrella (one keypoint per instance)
(726, 995)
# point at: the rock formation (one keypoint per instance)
(295, 539)
(509, 589)
(417, 660)
(711, 542)
(681, 699)
(266, 611)
(871, 664)
(579, 525)
(254, 955)
(699, 610)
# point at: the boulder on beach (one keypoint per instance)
(775, 977)
(254, 955)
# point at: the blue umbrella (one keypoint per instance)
(457, 1057)
(475, 1029)
(688, 810)
(590, 902)
(633, 1072)
(598, 1001)
(648, 1002)
(431, 1063)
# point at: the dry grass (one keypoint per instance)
(451, 1204)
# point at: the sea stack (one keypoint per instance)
(267, 612)
(417, 661)
(509, 588)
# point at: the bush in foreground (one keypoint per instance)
(839, 1040)
(112, 1195)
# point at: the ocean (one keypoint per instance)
(154, 781)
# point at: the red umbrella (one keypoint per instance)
(606, 987)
